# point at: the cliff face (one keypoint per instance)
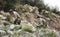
(29, 22)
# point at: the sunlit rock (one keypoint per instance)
(27, 26)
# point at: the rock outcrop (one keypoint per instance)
(27, 21)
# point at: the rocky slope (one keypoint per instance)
(29, 22)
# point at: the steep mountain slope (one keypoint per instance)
(29, 22)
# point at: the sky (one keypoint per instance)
(53, 3)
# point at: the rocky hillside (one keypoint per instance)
(27, 21)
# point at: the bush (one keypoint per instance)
(55, 10)
(7, 5)
(38, 3)
(10, 4)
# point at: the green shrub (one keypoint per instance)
(38, 3)
(7, 5)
